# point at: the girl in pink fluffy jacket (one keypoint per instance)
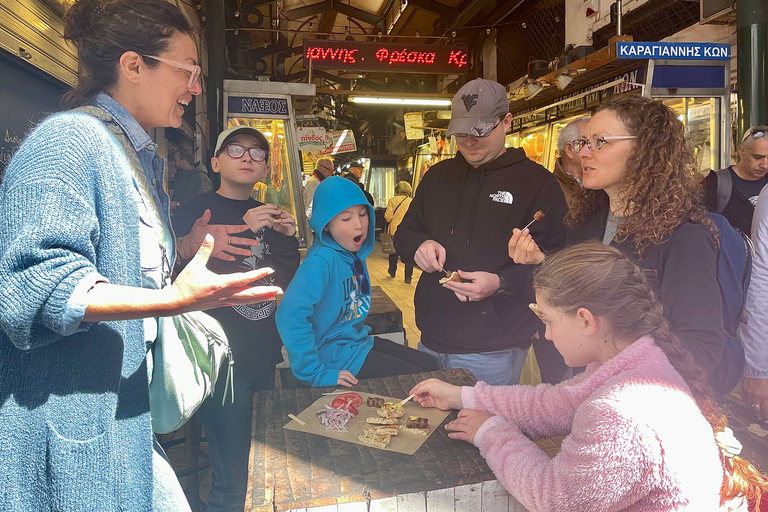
(643, 430)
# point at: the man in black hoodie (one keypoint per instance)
(461, 219)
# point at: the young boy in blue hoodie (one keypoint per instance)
(320, 318)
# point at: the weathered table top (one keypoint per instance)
(290, 469)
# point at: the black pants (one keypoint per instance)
(388, 358)
(393, 267)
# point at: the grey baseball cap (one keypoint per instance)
(238, 130)
(476, 107)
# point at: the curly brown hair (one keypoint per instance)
(660, 184)
(601, 279)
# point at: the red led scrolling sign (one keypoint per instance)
(403, 58)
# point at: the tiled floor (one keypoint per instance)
(400, 293)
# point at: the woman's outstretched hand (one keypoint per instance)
(436, 393)
(197, 288)
(467, 424)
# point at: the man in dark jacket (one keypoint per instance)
(461, 219)
(191, 180)
(736, 202)
(355, 174)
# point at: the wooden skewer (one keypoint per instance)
(297, 420)
(402, 402)
(335, 393)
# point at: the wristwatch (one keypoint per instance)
(503, 292)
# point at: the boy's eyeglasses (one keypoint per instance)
(360, 277)
(237, 151)
(194, 71)
(755, 133)
(597, 143)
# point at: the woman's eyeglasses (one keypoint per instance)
(194, 71)
(237, 151)
(755, 133)
(597, 143)
(362, 280)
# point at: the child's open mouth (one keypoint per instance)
(358, 238)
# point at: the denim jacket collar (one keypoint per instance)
(136, 134)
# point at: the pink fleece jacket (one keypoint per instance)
(635, 439)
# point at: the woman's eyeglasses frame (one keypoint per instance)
(597, 143)
(194, 70)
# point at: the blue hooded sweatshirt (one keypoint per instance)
(321, 316)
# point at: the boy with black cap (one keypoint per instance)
(461, 219)
(242, 159)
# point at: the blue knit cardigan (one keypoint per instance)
(75, 431)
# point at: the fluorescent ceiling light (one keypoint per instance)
(532, 89)
(425, 102)
(563, 81)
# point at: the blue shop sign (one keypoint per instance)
(255, 105)
(688, 51)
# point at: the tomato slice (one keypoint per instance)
(352, 398)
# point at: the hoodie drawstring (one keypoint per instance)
(458, 204)
(474, 207)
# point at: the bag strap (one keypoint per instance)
(394, 212)
(724, 188)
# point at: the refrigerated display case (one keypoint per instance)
(699, 115)
(268, 107)
(424, 159)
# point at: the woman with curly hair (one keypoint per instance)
(642, 196)
(644, 431)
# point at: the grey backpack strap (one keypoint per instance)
(724, 188)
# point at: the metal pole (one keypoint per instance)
(216, 68)
(618, 17)
(752, 61)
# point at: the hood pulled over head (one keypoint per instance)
(332, 196)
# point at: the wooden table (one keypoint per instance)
(291, 470)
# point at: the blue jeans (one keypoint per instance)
(501, 368)
(167, 495)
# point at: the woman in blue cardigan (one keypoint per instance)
(86, 246)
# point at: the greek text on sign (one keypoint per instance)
(385, 56)
(693, 51)
(311, 138)
(336, 142)
(260, 106)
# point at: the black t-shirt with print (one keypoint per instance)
(251, 329)
(750, 189)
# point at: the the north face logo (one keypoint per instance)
(470, 100)
(502, 196)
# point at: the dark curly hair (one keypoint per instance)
(103, 30)
(660, 184)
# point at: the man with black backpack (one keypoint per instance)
(733, 192)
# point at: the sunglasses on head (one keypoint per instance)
(362, 280)
(755, 133)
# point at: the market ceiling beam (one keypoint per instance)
(359, 14)
(308, 10)
(466, 13)
(433, 7)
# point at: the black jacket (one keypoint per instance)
(472, 212)
(351, 177)
(683, 273)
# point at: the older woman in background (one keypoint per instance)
(396, 208)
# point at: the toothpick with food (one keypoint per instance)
(536, 216)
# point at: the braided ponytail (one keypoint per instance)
(601, 279)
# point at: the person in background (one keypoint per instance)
(321, 318)
(461, 218)
(323, 169)
(241, 160)
(753, 331)
(568, 165)
(85, 261)
(355, 174)
(642, 195)
(190, 180)
(736, 201)
(396, 208)
(643, 429)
